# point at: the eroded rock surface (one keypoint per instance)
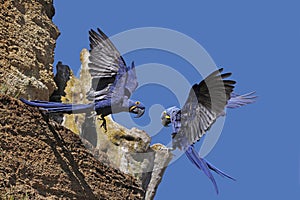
(40, 159)
(27, 42)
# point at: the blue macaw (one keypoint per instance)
(206, 102)
(113, 82)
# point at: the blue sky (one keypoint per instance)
(258, 41)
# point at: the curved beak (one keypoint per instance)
(165, 121)
(138, 111)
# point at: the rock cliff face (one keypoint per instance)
(40, 158)
(27, 41)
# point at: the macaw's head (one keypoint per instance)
(136, 107)
(166, 115)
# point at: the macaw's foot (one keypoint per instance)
(103, 123)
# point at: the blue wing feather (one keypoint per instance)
(107, 68)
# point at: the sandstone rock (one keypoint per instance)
(127, 150)
(27, 40)
(76, 90)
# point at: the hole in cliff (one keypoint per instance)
(128, 137)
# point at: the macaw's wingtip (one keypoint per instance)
(250, 95)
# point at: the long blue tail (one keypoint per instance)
(237, 101)
(56, 107)
(205, 166)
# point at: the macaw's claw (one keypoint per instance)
(103, 125)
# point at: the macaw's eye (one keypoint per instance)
(164, 112)
(137, 103)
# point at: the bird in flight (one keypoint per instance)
(113, 82)
(205, 103)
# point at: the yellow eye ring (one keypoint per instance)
(137, 103)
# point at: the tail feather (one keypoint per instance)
(237, 101)
(221, 173)
(56, 107)
(201, 164)
(205, 166)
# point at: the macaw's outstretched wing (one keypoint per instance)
(108, 70)
(205, 103)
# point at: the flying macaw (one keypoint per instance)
(206, 102)
(113, 82)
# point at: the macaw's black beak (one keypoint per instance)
(138, 111)
(165, 121)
